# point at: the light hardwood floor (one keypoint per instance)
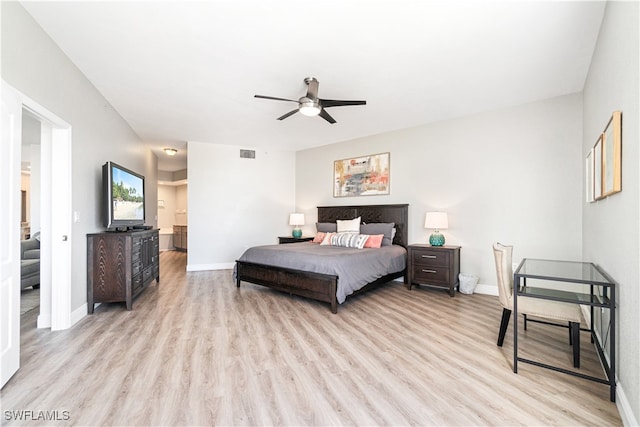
(198, 351)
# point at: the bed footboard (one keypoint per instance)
(320, 287)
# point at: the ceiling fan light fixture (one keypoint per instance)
(170, 151)
(311, 105)
(310, 108)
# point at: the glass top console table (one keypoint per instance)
(576, 283)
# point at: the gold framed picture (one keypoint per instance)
(612, 155)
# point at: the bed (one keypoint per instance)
(322, 286)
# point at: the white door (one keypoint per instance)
(11, 128)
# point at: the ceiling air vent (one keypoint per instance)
(247, 154)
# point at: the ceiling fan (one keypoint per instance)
(311, 105)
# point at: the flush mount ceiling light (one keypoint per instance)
(309, 107)
(170, 151)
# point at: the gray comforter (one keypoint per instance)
(354, 267)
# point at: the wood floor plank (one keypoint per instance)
(196, 350)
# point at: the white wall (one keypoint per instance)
(611, 227)
(513, 176)
(174, 211)
(33, 64)
(236, 203)
(182, 205)
(166, 214)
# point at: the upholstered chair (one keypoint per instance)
(554, 311)
(30, 262)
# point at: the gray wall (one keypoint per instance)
(611, 227)
(513, 176)
(34, 65)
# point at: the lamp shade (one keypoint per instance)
(296, 219)
(436, 221)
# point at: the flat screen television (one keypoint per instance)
(123, 198)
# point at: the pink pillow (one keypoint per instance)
(319, 237)
(374, 241)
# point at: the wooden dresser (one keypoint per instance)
(120, 265)
(437, 266)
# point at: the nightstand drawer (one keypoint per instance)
(430, 257)
(427, 274)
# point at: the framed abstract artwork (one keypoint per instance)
(589, 183)
(597, 169)
(612, 155)
(361, 176)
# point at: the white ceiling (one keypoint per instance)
(181, 71)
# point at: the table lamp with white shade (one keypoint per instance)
(296, 219)
(436, 221)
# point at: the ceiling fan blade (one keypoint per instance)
(337, 103)
(326, 116)
(274, 98)
(290, 113)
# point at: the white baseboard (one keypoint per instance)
(44, 321)
(205, 267)
(486, 289)
(78, 314)
(624, 408)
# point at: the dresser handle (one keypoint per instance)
(429, 256)
(429, 271)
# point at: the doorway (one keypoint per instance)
(30, 224)
(55, 218)
(54, 215)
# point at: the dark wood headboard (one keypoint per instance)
(399, 214)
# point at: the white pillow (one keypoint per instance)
(349, 226)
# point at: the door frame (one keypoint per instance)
(55, 216)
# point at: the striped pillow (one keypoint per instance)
(349, 240)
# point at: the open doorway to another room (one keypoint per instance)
(30, 213)
(172, 210)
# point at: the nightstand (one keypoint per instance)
(289, 239)
(436, 266)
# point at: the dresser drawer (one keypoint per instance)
(427, 274)
(430, 257)
(136, 267)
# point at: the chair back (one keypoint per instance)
(504, 272)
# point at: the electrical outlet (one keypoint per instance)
(515, 265)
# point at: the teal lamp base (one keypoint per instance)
(297, 233)
(436, 239)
